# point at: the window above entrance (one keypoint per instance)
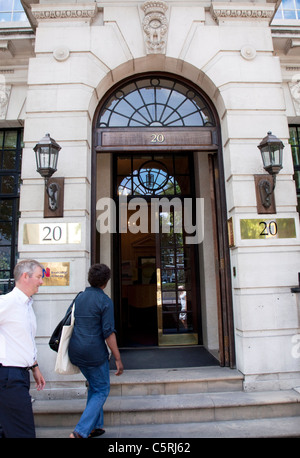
(155, 102)
(147, 176)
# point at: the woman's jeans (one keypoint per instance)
(99, 386)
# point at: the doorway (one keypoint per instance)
(158, 297)
(163, 119)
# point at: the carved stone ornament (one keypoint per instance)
(239, 11)
(295, 92)
(61, 53)
(4, 99)
(65, 12)
(155, 26)
(248, 52)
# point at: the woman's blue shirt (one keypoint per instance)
(94, 323)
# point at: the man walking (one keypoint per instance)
(18, 352)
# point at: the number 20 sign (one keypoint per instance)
(51, 233)
(268, 229)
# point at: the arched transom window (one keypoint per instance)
(155, 102)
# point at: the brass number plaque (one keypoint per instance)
(51, 233)
(280, 228)
(157, 138)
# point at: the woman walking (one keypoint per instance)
(93, 329)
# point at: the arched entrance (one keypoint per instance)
(152, 132)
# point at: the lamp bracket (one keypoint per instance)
(53, 194)
(266, 189)
(54, 197)
(264, 186)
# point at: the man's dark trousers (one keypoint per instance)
(16, 416)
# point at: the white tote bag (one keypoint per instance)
(63, 364)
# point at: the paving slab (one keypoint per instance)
(261, 428)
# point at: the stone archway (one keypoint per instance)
(120, 139)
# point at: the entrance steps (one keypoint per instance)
(192, 402)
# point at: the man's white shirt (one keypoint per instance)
(17, 330)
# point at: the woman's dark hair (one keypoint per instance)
(99, 274)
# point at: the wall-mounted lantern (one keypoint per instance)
(271, 149)
(46, 155)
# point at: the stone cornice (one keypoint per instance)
(64, 12)
(241, 11)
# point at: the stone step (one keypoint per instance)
(176, 381)
(154, 381)
(282, 427)
(174, 408)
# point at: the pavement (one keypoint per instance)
(285, 427)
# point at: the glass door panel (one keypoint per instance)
(177, 323)
(158, 277)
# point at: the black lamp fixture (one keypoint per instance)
(46, 155)
(271, 149)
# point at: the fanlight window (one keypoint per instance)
(151, 178)
(155, 102)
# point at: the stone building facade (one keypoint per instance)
(82, 71)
